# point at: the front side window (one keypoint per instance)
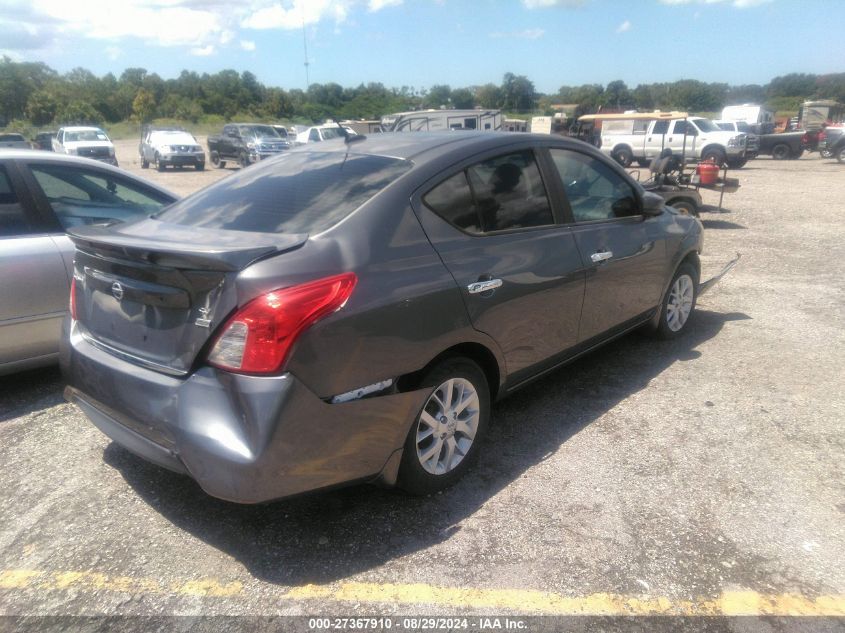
(685, 126)
(595, 191)
(80, 196)
(498, 194)
(705, 125)
(12, 219)
(314, 135)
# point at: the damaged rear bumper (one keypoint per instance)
(707, 285)
(246, 439)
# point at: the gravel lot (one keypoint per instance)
(687, 476)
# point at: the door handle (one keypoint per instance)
(484, 286)
(598, 258)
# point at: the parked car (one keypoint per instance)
(11, 140)
(284, 133)
(326, 132)
(752, 145)
(44, 140)
(89, 142)
(246, 143)
(170, 146)
(41, 195)
(349, 311)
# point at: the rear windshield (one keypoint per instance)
(305, 192)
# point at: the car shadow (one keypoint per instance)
(30, 391)
(332, 535)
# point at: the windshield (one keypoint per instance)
(172, 138)
(85, 135)
(706, 125)
(298, 193)
(259, 131)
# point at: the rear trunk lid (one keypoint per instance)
(154, 292)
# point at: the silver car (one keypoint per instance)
(41, 195)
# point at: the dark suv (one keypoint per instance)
(349, 311)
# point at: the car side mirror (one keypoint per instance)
(652, 203)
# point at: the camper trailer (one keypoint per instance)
(761, 120)
(813, 113)
(442, 120)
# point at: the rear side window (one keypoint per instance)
(452, 201)
(498, 194)
(305, 192)
(80, 196)
(12, 220)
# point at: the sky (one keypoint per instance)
(419, 43)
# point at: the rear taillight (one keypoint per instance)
(258, 338)
(72, 302)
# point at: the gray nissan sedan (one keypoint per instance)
(348, 311)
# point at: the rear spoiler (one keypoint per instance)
(183, 247)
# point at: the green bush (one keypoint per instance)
(20, 126)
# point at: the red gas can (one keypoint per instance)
(708, 172)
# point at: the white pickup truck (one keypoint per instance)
(703, 141)
(90, 142)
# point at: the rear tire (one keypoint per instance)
(623, 156)
(444, 439)
(684, 206)
(199, 166)
(643, 162)
(215, 160)
(840, 155)
(781, 151)
(738, 163)
(145, 164)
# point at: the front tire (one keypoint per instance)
(737, 163)
(159, 165)
(714, 154)
(679, 303)
(444, 439)
(243, 161)
(145, 164)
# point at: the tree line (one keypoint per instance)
(33, 94)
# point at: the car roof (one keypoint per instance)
(81, 128)
(41, 156)
(422, 147)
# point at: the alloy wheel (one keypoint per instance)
(447, 426)
(680, 303)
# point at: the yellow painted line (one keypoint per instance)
(540, 602)
(730, 603)
(95, 581)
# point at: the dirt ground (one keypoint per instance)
(702, 475)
